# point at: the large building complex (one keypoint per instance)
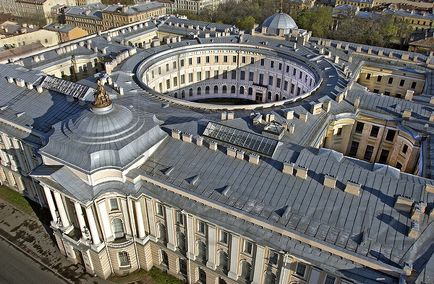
(222, 157)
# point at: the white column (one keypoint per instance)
(50, 202)
(235, 249)
(212, 241)
(285, 270)
(61, 208)
(105, 219)
(92, 226)
(126, 217)
(190, 237)
(140, 222)
(170, 218)
(259, 263)
(80, 218)
(151, 216)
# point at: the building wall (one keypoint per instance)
(46, 38)
(391, 82)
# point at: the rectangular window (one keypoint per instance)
(354, 148)
(234, 59)
(174, 64)
(201, 227)
(390, 135)
(339, 132)
(285, 85)
(301, 269)
(374, 131)
(390, 80)
(250, 76)
(190, 61)
(225, 74)
(182, 62)
(405, 149)
(262, 62)
(413, 85)
(270, 80)
(168, 84)
(114, 204)
(278, 81)
(198, 60)
(224, 237)
(368, 153)
(167, 67)
(207, 59)
(280, 66)
(190, 77)
(198, 76)
(398, 165)
(242, 75)
(379, 79)
(160, 209)
(216, 73)
(294, 72)
(175, 81)
(179, 218)
(359, 127)
(274, 258)
(368, 76)
(216, 59)
(248, 247)
(225, 59)
(261, 79)
(252, 60)
(383, 156)
(182, 79)
(330, 280)
(401, 83)
(233, 74)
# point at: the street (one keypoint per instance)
(15, 267)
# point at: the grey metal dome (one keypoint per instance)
(95, 139)
(279, 23)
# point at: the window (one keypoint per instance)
(301, 269)
(207, 59)
(162, 232)
(224, 89)
(164, 258)
(114, 204)
(390, 80)
(216, 59)
(124, 259)
(359, 127)
(216, 89)
(374, 131)
(241, 90)
(278, 81)
(223, 261)
(262, 61)
(242, 75)
(390, 135)
(202, 276)
(190, 77)
(401, 83)
(272, 64)
(270, 278)
(183, 266)
(233, 90)
(330, 279)
(339, 132)
(118, 228)
(274, 258)
(368, 153)
(270, 80)
(386, 93)
(261, 79)
(243, 59)
(252, 60)
(379, 79)
(181, 242)
(246, 271)
(368, 76)
(234, 59)
(201, 227)
(198, 60)
(248, 247)
(202, 256)
(413, 85)
(225, 59)
(182, 79)
(405, 149)
(398, 166)
(224, 237)
(225, 74)
(160, 209)
(250, 76)
(354, 148)
(383, 156)
(207, 90)
(190, 61)
(233, 75)
(222, 281)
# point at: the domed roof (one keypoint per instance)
(279, 22)
(110, 137)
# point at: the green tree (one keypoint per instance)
(246, 23)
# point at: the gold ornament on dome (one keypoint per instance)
(102, 99)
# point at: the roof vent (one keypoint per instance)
(254, 159)
(281, 211)
(288, 168)
(167, 171)
(240, 154)
(353, 188)
(224, 190)
(193, 180)
(301, 172)
(20, 114)
(176, 134)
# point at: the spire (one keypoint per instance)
(281, 6)
(102, 99)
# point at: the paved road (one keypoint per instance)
(15, 267)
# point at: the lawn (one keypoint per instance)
(16, 199)
(153, 276)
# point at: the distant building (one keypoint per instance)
(99, 17)
(417, 20)
(357, 3)
(196, 6)
(15, 35)
(422, 41)
(67, 32)
(415, 4)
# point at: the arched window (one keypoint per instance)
(164, 258)
(216, 89)
(221, 281)
(241, 90)
(199, 91)
(175, 95)
(250, 92)
(246, 271)
(202, 252)
(270, 278)
(190, 92)
(269, 96)
(162, 233)
(202, 276)
(223, 261)
(277, 97)
(233, 90)
(224, 89)
(118, 228)
(124, 259)
(207, 90)
(182, 94)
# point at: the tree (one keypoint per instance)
(246, 23)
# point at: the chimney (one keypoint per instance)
(353, 188)
(212, 145)
(409, 95)
(288, 168)
(326, 106)
(20, 82)
(403, 203)
(186, 137)
(416, 212)
(240, 154)
(254, 159)
(429, 188)
(231, 152)
(176, 134)
(406, 114)
(224, 116)
(329, 181)
(291, 128)
(39, 89)
(289, 114)
(199, 141)
(303, 116)
(301, 172)
(357, 102)
(414, 230)
(231, 115)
